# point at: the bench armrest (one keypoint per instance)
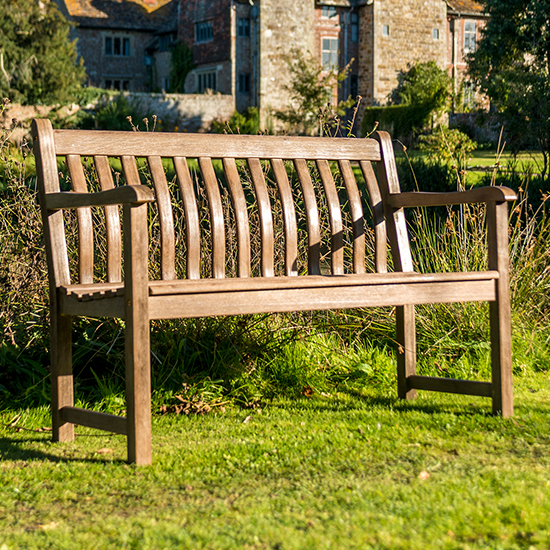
(482, 194)
(126, 194)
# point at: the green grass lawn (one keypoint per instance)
(356, 470)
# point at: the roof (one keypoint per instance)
(119, 14)
(465, 7)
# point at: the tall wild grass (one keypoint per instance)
(248, 359)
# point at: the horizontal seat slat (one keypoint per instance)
(238, 284)
(280, 300)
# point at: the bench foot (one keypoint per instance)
(406, 350)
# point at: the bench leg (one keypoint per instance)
(137, 343)
(61, 375)
(138, 392)
(406, 350)
(500, 316)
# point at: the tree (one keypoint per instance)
(38, 62)
(511, 65)
(310, 91)
(181, 60)
(424, 85)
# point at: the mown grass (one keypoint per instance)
(356, 469)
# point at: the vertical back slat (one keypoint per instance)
(378, 219)
(167, 237)
(112, 222)
(395, 218)
(85, 225)
(216, 217)
(356, 211)
(266, 219)
(241, 217)
(289, 217)
(312, 217)
(335, 218)
(192, 225)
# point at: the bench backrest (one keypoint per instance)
(193, 174)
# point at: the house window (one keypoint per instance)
(468, 96)
(385, 30)
(203, 31)
(243, 26)
(117, 84)
(470, 32)
(206, 81)
(435, 34)
(165, 41)
(328, 12)
(117, 45)
(329, 53)
(244, 83)
(354, 27)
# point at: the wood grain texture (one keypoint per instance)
(481, 194)
(84, 219)
(94, 142)
(312, 217)
(94, 419)
(137, 346)
(289, 217)
(378, 217)
(395, 218)
(241, 217)
(112, 222)
(335, 218)
(166, 219)
(499, 310)
(266, 218)
(126, 194)
(216, 217)
(192, 223)
(357, 220)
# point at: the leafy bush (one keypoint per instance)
(245, 123)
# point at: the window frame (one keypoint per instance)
(204, 31)
(330, 57)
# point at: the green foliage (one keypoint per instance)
(448, 146)
(401, 121)
(38, 62)
(245, 123)
(422, 94)
(310, 92)
(181, 59)
(118, 113)
(511, 66)
(423, 84)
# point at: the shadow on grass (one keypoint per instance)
(16, 449)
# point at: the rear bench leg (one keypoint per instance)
(406, 350)
(61, 375)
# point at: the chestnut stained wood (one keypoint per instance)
(304, 173)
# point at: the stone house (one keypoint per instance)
(121, 41)
(239, 46)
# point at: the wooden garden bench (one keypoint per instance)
(340, 281)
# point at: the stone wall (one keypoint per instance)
(186, 112)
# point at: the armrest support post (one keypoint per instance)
(137, 347)
(500, 315)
